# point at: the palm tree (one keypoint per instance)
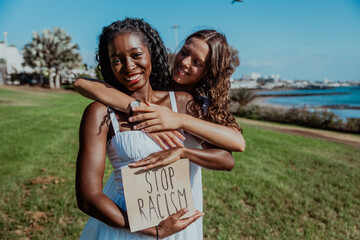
(53, 51)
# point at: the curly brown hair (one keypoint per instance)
(215, 84)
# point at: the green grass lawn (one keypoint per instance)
(282, 187)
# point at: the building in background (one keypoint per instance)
(247, 81)
(251, 76)
(11, 55)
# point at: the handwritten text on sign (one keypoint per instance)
(153, 195)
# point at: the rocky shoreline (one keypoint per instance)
(262, 101)
(300, 94)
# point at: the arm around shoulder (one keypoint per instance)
(218, 135)
(158, 118)
(103, 92)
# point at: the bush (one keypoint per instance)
(299, 116)
(243, 96)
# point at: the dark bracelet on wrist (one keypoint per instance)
(157, 233)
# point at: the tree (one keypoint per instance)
(242, 96)
(53, 51)
(235, 61)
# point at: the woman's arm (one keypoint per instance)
(101, 91)
(158, 118)
(216, 159)
(225, 137)
(90, 168)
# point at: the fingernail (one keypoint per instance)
(186, 209)
(130, 119)
(134, 127)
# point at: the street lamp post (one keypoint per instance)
(175, 27)
(5, 38)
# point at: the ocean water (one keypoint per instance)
(352, 99)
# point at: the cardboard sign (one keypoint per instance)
(152, 195)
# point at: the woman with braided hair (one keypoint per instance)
(130, 61)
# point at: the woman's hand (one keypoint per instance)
(161, 158)
(155, 118)
(167, 139)
(173, 224)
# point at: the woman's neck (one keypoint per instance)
(185, 88)
(145, 94)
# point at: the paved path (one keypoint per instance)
(345, 138)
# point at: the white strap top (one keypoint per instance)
(114, 120)
(129, 146)
(173, 101)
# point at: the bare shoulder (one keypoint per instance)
(183, 96)
(183, 99)
(94, 118)
(95, 110)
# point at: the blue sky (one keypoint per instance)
(307, 39)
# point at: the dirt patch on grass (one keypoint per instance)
(344, 138)
(36, 90)
(47, 180)
(17, 103)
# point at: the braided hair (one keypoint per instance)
(160, 76)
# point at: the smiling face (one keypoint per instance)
(190, 63)
(130, 61)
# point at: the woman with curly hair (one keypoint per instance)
(130, 55)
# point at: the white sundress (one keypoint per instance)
(131, 146)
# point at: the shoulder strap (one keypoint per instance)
(174, 106)
(114, 120)
(173, 101)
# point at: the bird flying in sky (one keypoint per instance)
(236, 1)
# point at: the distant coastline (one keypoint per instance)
(300, 94)
(343, 101)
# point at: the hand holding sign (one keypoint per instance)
(174, 224)
(161, 158)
